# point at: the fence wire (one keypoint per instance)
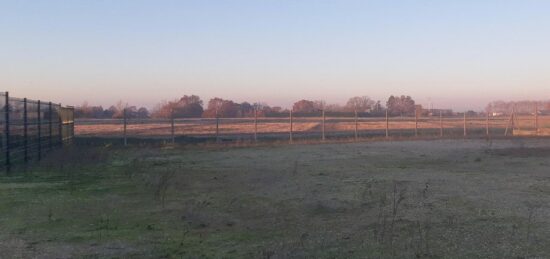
(30, 129)
(315, 127)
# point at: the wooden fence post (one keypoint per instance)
(255, 124)
(25, 132)
(124, 120)
(50, 125)
(356, 134)
(172, 130)
(440, 123)
(323, 126)
(465, 133)
(7, 129)
(387, 125)
(39, 124)
(290, 136)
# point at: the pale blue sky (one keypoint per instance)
(454, 54)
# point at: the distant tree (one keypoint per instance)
(188, 106)
(277, 109)
(334, 108)
(359, 103)
(304, 106)
(377, 109)
(82, 111)
(143, 113)
(131, 112)
(319, 105)
(192, 110)
(118, 110)
(246, 109)
(109, 113)
(222, 108)
(262, 108)
(97, 112)
(520, 107)
(471, 113)
(403, 105)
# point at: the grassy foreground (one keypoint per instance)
(426, 199)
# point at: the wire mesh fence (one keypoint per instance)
(30, 129)
(316, 127)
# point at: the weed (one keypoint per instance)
(162, 185)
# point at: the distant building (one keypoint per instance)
(436, 112)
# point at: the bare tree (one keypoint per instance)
(359, 104)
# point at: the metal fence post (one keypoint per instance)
(217, 127)
(255, 124)
(356, 135)
(487, 125)
(7, 130)
(39, 133)
(50, 125)
(59, 115)
(536, 119)
(25, 132)
(440, 123)
(172, 130)
(323, 126)
(290, 135)
(72, 124)
(465, 133)
(124, 119)
(416, 122)
(387, 125)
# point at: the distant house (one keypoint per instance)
(497, 114)
(436, 112)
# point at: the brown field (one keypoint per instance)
(206, 127)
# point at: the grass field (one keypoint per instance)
(425, 199)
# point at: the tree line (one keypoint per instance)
(192, 106)
(519, 107)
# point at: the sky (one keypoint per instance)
(445, 54)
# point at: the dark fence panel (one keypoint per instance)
(30, 129)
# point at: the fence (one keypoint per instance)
(30, 129)
(318, 126)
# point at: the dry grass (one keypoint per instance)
(300, 125)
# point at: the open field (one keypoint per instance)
(244, 128)
(426, 199)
